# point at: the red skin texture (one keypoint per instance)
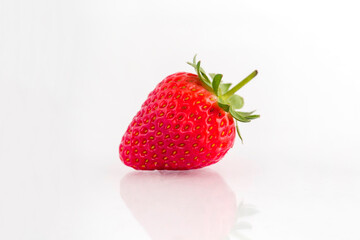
(180, 126)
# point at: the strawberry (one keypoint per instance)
(188, 121)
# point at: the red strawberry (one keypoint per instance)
(185, 123)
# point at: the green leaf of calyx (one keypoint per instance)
(223, 105)
(216, 82)
(236, 101)
(204, 75)
(238, 132)
(246, 113)
(194, 59)
(206, 83)
(212, 75)
(191, 64)
(201, 73)
(237, 115)
(251, 117)
(224, 87)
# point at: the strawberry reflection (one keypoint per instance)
(183, 205)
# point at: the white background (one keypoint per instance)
(74, 73)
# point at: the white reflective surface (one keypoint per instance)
(74, 73)
(238, 198)
(184, 205)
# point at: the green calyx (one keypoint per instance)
(227, 99)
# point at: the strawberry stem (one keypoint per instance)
(227, 100)
(239, 85)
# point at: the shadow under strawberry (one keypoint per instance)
(184, 205)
